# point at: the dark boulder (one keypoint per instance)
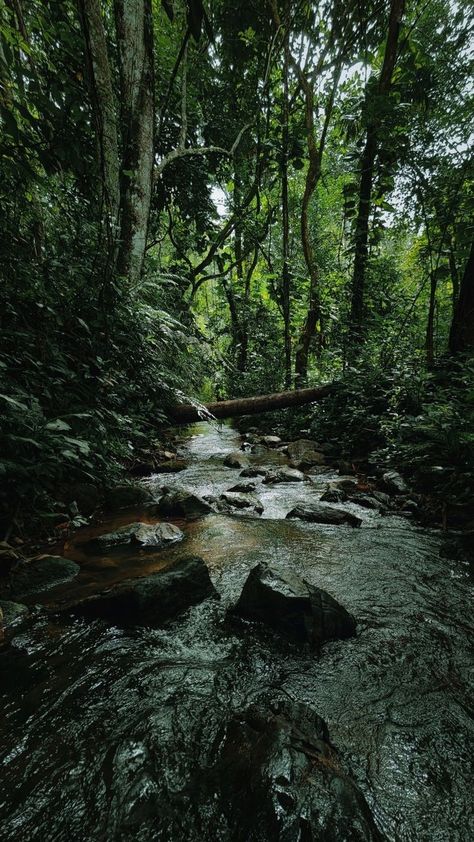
(305, 453)
(255, 471)
(182, 503)
(345, 482)
(367, 501)
(394, 482)
(319, 513)
(334, 495)
(151, 600)
(278, 778)
(271, 441)
(283, 475)
(41, 574)
(236, 460)
(298, 610)
(11, 612)
(243, 487)
(236, 500)
(137, 536)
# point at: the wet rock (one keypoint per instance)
(395, 482)
(278, 778)
(10, 612)
(410, 506)
(318, 471)
(171, 466)
(238, 500)
(244, 487)
(383, 498)
(367, 501)
(345, 483)
(295, 608)
(136, 536)
(127, 496)
(259, 449)
(236, 460)
(255, 471)
(305, 453)
(319, 513)
(334, 495)
(182, 503)
(40, 574)
(271, 441)
(151, 600)
(283, 475)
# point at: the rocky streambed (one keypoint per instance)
(263, 649)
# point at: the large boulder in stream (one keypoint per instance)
(236, 460)
(240, 500)
(319, 513)
(151, 600)
(305, 453)
(394, 482)
(11, 612)
(40, 574)
(300, 611)
(136, 536)
(182, 503)
(255, 471)
(278, 778)
(283, 475)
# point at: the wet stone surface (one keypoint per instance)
(112, 734)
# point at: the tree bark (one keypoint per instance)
(315, 156)
(187, 413)
(105, 118)
(135, 49)
(454, 277)
(461, 337)
(367, 175)
(286, 275)
(429, 341)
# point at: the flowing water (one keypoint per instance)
(106, 733)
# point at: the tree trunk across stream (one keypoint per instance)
(109, 734)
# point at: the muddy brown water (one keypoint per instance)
(104, 733)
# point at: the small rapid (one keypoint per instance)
(105, 731)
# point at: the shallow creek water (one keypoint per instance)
(105, 732)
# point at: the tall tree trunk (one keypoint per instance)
(315, 156)
(429, 341)
(286, 275)
(105, 118)
(453, 269)
(312, 178)
(135, 49)
(367, 176)
(461, 337)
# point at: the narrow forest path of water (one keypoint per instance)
(104, 731)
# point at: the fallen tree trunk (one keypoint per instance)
(186, 413)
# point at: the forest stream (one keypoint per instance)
(109, 733)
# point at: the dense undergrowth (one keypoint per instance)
(417, 421)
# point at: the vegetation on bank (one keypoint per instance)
(269, 195)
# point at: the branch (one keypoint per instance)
(194, 151)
